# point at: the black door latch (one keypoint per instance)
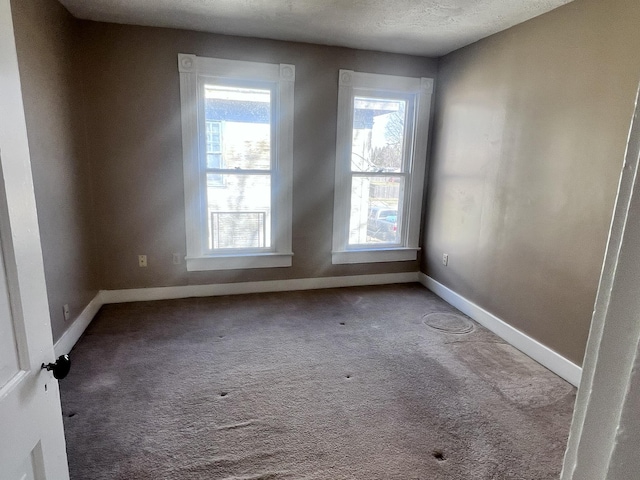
(60, 368)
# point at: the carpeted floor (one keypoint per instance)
(353, 383)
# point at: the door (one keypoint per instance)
(605, 432)
(31, 433)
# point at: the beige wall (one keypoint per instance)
(135, 137)
(529, 140)
(46, 36)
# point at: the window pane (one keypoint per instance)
(239, 211)
(378, 135)
(213, 144)
(376, 210)
(238, 122)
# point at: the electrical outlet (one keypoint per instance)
(67, 314)
(445, 259)
(177, 259)
(142, 260)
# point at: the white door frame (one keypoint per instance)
(605, 432)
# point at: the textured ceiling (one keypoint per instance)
(419, 27)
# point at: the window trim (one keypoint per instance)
(192, 68)
(353, 84)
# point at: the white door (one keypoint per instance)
(31, 433)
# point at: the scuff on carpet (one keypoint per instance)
(327, 384)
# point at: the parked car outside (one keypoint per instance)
(382, 224)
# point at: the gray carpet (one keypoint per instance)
(354, 383)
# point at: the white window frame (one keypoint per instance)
(282, 77)
(352, 84)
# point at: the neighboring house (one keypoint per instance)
(238, 136)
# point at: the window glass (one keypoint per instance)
(376, 210)
(377, 139)
(244, 116)
(238, 137)
(239, 214)
(214, 144)
(214, 150)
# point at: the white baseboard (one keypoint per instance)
(166, 293)
(527, 345)
(79, 325)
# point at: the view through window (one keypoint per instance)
(238, 166)
(378, 170)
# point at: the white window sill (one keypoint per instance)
(399, 254)
(235, 262)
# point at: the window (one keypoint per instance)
(237, 137)
(214, 149)
(380, 165)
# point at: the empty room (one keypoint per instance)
(287, 239)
